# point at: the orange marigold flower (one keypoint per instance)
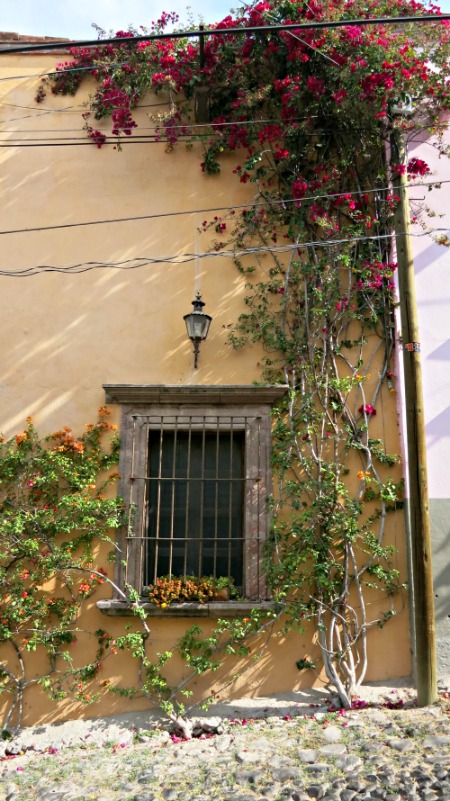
(89, 426)
(104, 410)
(360, 474)
(21, 437)
(29, 419)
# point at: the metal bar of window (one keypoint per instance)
(216, 499)
(230, 501)
(143, 548)
(188, 491)
(258, 530)
(131, 501)
(172, 503)
(158, 505)
(202, 501)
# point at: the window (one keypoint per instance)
(195, 467)
(195, 502)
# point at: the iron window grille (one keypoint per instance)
(195, 467)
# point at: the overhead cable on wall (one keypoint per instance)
(191, 126)
(249, 205)
(291, 26)
(213, 127)
(186, 258)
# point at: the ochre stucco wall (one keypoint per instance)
(63, 336)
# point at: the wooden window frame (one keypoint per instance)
(249, 407)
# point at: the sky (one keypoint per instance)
(73, 18)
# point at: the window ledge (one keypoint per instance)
(215, 609)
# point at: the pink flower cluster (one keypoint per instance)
(417, 167)
(367, 409)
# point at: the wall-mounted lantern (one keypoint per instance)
(197, 324)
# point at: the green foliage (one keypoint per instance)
(54, 514)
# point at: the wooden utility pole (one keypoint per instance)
(421, 568)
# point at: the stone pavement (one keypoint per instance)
(385, 748)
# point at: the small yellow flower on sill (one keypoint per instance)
(163, 606)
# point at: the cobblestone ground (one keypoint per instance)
(371, 753)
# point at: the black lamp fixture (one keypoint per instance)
(197, 324)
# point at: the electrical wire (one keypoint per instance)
(263, 204)
(75, 109)
(56, 73)
(72, 110)
(205, 33)
(155, 139)
(191, 126)
(187, 132)
(185, 258)
(173, 127)
(155, 136)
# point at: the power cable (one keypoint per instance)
(187, 132)
(291, 26)
(263, 204)
(173, 127)
(191, 126)
(185, 258)
(55, 73)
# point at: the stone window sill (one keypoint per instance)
(215, 609)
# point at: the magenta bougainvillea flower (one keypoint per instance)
(367, 409)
